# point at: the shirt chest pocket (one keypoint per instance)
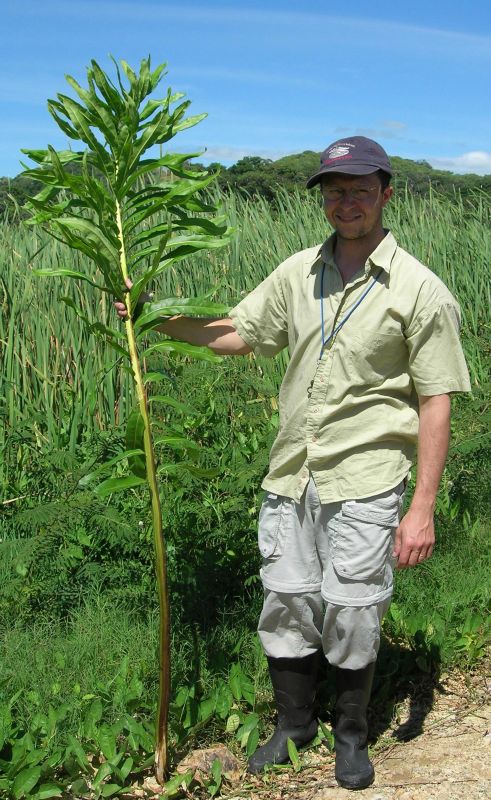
(374, 357)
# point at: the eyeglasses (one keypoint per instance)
(331, 193)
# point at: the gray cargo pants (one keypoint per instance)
(327, 575)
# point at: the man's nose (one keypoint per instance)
(347, 199)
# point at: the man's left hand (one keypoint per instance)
(415, 538)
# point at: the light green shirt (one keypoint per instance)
(350, 417)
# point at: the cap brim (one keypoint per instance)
(343, 169)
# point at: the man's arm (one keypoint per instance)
(415, 536)
(217, 334)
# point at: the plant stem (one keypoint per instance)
(158, 535)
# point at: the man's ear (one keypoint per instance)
(387, 194)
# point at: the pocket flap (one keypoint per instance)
(371, 512)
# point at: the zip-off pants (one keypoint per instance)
(327, 574)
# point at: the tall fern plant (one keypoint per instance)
(133, 214)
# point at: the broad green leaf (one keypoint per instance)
(174, 348)
(328, 736)
(234, 683)
(224, 701)
(106, 741)
(113, 485)
(68, 273)
(47, 790)
(102, 773)
(110, 789)
(170, 401)
(157, 377)
(177, 443)
(188, 306)
(126, 767)
(92, 715)
(190, 122)
(25, 781)
(86, 479)
(90, 233)
(216, 771)
(233, 723)
(173, 786)
(252, 742)
(206, 708)
(135, 430)
(293, 754)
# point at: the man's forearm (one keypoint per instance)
(415, 536)
(217, 334)
(433, 438)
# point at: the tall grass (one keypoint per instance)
(54, 376)
(50, 384)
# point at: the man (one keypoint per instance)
(374, 355)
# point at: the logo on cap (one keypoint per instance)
(337, 152)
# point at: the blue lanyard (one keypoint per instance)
(348, 315)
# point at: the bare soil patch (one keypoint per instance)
(437, 753)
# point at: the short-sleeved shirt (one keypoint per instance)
(349, 416)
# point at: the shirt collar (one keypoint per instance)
(381, 257)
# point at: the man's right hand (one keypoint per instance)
(121, 309)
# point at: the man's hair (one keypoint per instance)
(384, 178)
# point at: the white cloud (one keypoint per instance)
(477, 161)
(229, 155)
(387, 129)
(394, 124)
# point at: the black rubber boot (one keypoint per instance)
(354, 770)
(294, 683)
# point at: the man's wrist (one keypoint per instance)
(424, 501)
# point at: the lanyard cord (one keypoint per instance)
(348, 315)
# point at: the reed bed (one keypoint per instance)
(59, 380)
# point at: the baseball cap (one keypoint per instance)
(355, 155)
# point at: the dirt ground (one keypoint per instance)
(437, 753)
(437, 747)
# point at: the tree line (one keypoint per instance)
(255, 176)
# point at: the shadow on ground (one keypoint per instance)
(402, 675)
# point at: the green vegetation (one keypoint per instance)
(78, 613)
(253, 176)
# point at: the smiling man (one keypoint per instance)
(373, 337)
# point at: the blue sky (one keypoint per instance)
(274, 77)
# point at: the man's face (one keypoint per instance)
(353, 203)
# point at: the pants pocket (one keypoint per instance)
(364, 537)
(270, 517)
